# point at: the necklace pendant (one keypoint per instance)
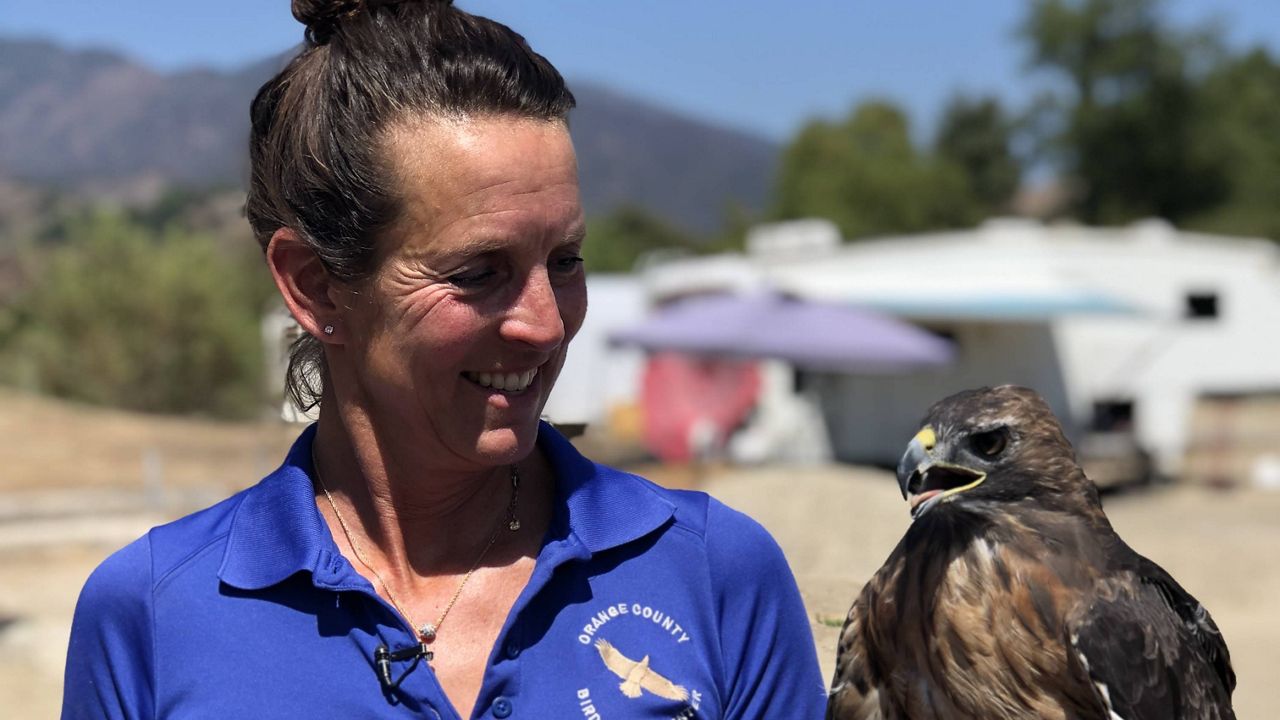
(514, 525)
(427, 633)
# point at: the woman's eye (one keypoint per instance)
(469, 279)
(989, 444)
(568, 264)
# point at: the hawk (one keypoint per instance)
(637, 676)
(1011, 596)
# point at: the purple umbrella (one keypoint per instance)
(811, 335)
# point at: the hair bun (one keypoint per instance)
(322, 16)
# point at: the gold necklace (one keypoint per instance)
(426, 633)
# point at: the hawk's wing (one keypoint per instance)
(852, 696)
(620, 664)
(662, 687)
(1151, 650)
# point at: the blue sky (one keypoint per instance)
(760, 65)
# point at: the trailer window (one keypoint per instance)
(1202, 306)
(1112, 415)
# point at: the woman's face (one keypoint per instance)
(457, 338)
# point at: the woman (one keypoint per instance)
(429, 547)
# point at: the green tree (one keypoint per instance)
(615, 241)
(1243, 97)
(976, 136)
(865, 175)
(1132, 132)
(124, 317)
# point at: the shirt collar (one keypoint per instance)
(278, 531)
(600, 506)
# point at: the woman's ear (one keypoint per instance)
(304, 284)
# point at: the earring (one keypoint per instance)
(328, 329)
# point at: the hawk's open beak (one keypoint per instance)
(915, 460)
(925, 480)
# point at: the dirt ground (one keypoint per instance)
(76, 483)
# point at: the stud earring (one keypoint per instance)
(328, 329)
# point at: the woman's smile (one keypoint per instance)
(512, 383)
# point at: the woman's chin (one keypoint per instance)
(507, 445)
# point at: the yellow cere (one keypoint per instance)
(926, 438)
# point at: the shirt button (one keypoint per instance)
(501, 708)
(434, 715)
(513, 649)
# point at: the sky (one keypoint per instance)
(762, 66)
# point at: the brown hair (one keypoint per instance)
(317, 127)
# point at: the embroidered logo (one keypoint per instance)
(651, 644)
(638, 676)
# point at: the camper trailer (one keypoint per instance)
(1128, 332)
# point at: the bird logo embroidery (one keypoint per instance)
(637, 676)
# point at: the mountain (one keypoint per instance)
(96, 121)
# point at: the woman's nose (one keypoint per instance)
(534, 317)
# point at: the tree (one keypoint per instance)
(976, 136)
(124, 317)
(866, 176)
(1243, 97)
(1133, 133)
(617, 240)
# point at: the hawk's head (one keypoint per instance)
(991, 445)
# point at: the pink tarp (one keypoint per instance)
(691, 405)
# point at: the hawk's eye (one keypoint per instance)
(989, 444)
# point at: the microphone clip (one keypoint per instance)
(382, 658)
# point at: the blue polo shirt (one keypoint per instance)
(644, 603)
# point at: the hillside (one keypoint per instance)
(96, 121)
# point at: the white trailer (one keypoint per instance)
(1121, 329)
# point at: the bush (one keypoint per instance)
(145, 320)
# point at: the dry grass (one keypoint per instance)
(50, 445)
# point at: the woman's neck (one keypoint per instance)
(410, 514)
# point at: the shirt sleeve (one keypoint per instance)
(110, 658)
(770, 660)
